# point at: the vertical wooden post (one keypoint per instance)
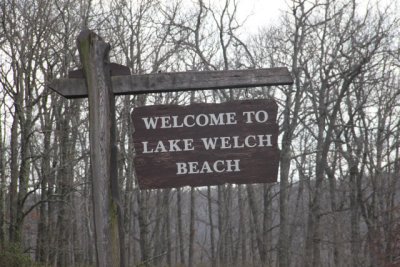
(94, 56)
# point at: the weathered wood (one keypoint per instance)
(258, 164)
(93, 52)
(179, 81)
(115, 70)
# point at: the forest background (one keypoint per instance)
(336, 202)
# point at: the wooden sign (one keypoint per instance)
(206, 144)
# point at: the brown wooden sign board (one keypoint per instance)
(206, 144)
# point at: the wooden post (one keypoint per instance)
(93, 53)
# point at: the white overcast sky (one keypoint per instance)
(260, 13)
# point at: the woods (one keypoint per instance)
(336, 202)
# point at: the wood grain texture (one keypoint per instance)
(179, 81)
(93, 52)
(115, 70)
(159, 170)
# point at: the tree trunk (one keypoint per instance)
(2, 185)
(43, 237)
(192, 228)
(14, 180)
(354, 218)
(143, 227)
(180, 230)
(256, 226)
(267, 222)
(167, 227)
(242, 227)
(211, 222)
(63, 190)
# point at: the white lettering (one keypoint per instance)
(190, 120)
(193, 167)
(160, 147)
(258, 116)
(229, 142)
(215, 165)
(236, 142)
(248, 116)
(150, 123)
(209, 142)
(173, 145)
(175, 122)
(262, 139)
(205, 120)
(206, 168)
(218, 166)
(181, 167)
(246, 141)
(145, 150)
(230, 118)
(188, 144)
(185, 121)
(225, 142)
(165, 123)
(214, 120)
(235, 165)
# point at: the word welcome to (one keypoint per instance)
(203, 120)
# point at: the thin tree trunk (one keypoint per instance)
(2, 185)
(156, 231)
(14, 180)
(43, 237)
(221, 228)
(267, 222)
(229, 244)
(211, 222)
(63, 190)
(283, 242)
(180, 229)
(50, 193)
(143, 231)
(354, 218)
(242, 227)
(167, 227)
(335, 227)
(128, 194)
(256, 226)
(192, 228)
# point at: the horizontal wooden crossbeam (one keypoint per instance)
(179, 81)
